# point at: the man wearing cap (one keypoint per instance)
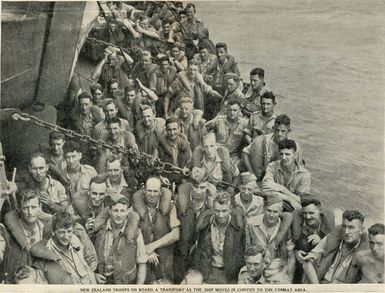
(310, 224)
(215, 159)
(160, 228)
(286, 178)
(221, 242)
(149, 130)
(119, 244)
(191, 122)
(231, 130)
(270, 232)
(248, 199)
(262, 122)
(193, 198)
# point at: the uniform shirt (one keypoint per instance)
(204, 65)
(56, 192)
(83, 178)
(113, 190)
(141, 254)
(341, 261)
(229, 135)
(172, 219)
(214, 170)
(35, 235)
(274, 181)
(245, 278)
(218, 240)
(100, 131)
(253, 99)
(73, 261)
(261, 124)
(253, 211)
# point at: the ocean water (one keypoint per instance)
(325, 61)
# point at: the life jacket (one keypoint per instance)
(158, 228)
(123, 250)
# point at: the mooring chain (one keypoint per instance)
(138, 159)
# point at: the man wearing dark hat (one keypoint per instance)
(193, 198)
(247, 200)
(191, 122)
(221, 242)
(270, 232)
(287, 178)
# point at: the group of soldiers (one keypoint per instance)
(242, 211)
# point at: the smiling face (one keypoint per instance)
(97, 193)
(233, 111)
(312, 215)
(272, 213)
(73, 159)
(114, 170)
(185, 110)
(113, 131)
(287, 157)
(192, 71)
(148, 117)
(267, 105)
(119, 213)
(63, 236)
(172, 130)
(57, 146)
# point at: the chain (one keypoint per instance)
(140, 161)
(90, 39)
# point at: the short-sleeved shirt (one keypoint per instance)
(83, 178)
(229, 135)
(56, 192)
(261, 124)
(253, 211)
(298, 183)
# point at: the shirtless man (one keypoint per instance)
(371, 262)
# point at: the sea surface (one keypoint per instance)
(325, 61)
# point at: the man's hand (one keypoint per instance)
(45, 199)
(308, 257)
(89, 225)
(149, 249)
(139, 83)
(314, 239)
(290, 246)
(299, 255)
(100, 279)
(153, 258)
